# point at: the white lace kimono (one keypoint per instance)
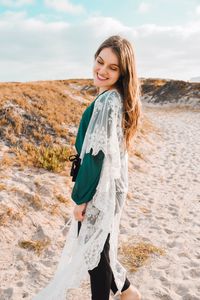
(103, 212)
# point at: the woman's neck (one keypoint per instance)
(102, 90)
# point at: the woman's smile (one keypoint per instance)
(101, 77)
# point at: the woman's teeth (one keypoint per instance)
(100, 77)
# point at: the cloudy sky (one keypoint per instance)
(57, 39)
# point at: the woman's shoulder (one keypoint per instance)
(112, 95)
(114, 92)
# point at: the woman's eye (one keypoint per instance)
(101, 63)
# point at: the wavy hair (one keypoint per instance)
(127, 84)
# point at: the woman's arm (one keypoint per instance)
(86, 183)
(87, 178)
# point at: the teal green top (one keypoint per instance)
(90, 168)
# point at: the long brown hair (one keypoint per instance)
(127, 84)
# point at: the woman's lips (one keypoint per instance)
(102, 78)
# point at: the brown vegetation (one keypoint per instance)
(136, 255)
(9, 214)
(35, 118)
(35, 245)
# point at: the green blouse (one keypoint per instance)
(90, 169)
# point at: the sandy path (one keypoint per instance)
(170, 190)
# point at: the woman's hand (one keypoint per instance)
(79, 211)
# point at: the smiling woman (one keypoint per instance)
(101, 186)
(106, 70)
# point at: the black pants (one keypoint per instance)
(101, 277)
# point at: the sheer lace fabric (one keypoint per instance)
(103, 212)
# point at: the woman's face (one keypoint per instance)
(106, 70)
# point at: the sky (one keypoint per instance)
(57, 39)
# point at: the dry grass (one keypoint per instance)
(38, 182)
(5, 214)
(42, 99)
(36, 201)
(34, 120)
(156, 82)
(62, 199)
(9, 214)
(35, 245)
(3, 187)
(135, 256)
(139, 154)
(54, 209)
(6, 161)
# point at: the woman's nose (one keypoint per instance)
(103, 71)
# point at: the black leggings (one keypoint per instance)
(101, 277)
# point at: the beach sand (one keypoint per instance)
(168, 187)
(162, 207)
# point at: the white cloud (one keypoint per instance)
(65, 6)
(197, 10)
(103, 26)
(15, 3)
(143, 7)
(36, 49)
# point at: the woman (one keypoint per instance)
(101, 186)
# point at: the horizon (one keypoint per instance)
(192, 80)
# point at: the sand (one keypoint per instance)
(170, 191)
(163, 208)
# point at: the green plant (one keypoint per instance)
(52, 158)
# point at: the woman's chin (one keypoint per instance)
(98, 84)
